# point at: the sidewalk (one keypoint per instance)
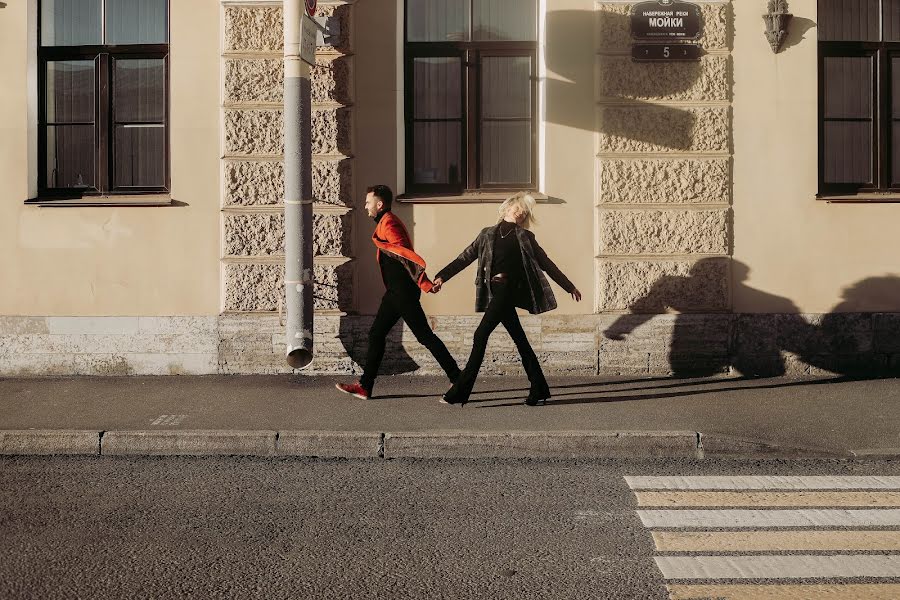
(588, 417)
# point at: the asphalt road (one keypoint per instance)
(269, 528)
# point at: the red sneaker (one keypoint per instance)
(354, 389)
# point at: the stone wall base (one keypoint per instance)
(678, 345)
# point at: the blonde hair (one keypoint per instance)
(523, 200)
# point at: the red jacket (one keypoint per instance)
(391, 236)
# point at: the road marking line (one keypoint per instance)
(855, 591)
(759, 482)
(771, 541)
(708, 519)
(812, 498)
(777, 567)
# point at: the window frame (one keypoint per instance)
(104, 57)
(470, 54)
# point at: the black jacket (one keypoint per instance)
(539, 297)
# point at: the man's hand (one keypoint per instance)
(576, 295)
(436, 285)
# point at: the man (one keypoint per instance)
(403, 273)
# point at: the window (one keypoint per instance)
(859, 96)
(103, 97)
(471, 95)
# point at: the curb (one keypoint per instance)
(562, 444)
(49, 441)
(198, 442)
(412, 444)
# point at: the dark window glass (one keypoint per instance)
(470, 104)
(437, 20)
(437, 87)
(104, 119)
(136, 21)
(438, 152)
(71, 22)
(70, 91)
(849, 21)
(70, 156)
(140, 156)
(506, 120)
(139, 90)
(512, 20)
(858, 96)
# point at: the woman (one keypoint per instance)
(510, 274)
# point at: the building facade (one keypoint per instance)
(732, 213)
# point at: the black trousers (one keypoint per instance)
(403, 304)
(501, 309)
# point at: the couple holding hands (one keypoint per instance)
(511, 267)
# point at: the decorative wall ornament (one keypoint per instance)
(777, 20)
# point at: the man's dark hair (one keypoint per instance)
(383, 193)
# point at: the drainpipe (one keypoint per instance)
(298, 217)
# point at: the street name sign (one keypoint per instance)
(308, 31)
(665, 20)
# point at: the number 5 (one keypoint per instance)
(665, 51)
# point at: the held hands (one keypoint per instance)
(436, 285)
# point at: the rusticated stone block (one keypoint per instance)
(254, 80)
(255, 132)
(331, 131)
(261, 80)
(261, 28)
(263, 235)
(254, 29)
(705, 80)
(258, 287)
(331, 80)
(655, 286)
(625, 181)
(663, 231)
(664, 129)
(332, 182)
(261, 182)
(614, 26)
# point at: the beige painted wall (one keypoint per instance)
(440, 232)
(801, 254)
(117, 261)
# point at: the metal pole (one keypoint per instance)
(298, 276)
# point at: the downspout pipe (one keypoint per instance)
(298, 215)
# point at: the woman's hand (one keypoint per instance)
(576, 295)
(436, 285)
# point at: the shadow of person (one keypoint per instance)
(849, 340)
(701, 344)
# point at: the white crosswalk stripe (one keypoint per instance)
(714, 534)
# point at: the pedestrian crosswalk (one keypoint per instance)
(754, 537)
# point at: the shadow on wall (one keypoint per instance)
(754, 345)
(570, 83)
(797, 29)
